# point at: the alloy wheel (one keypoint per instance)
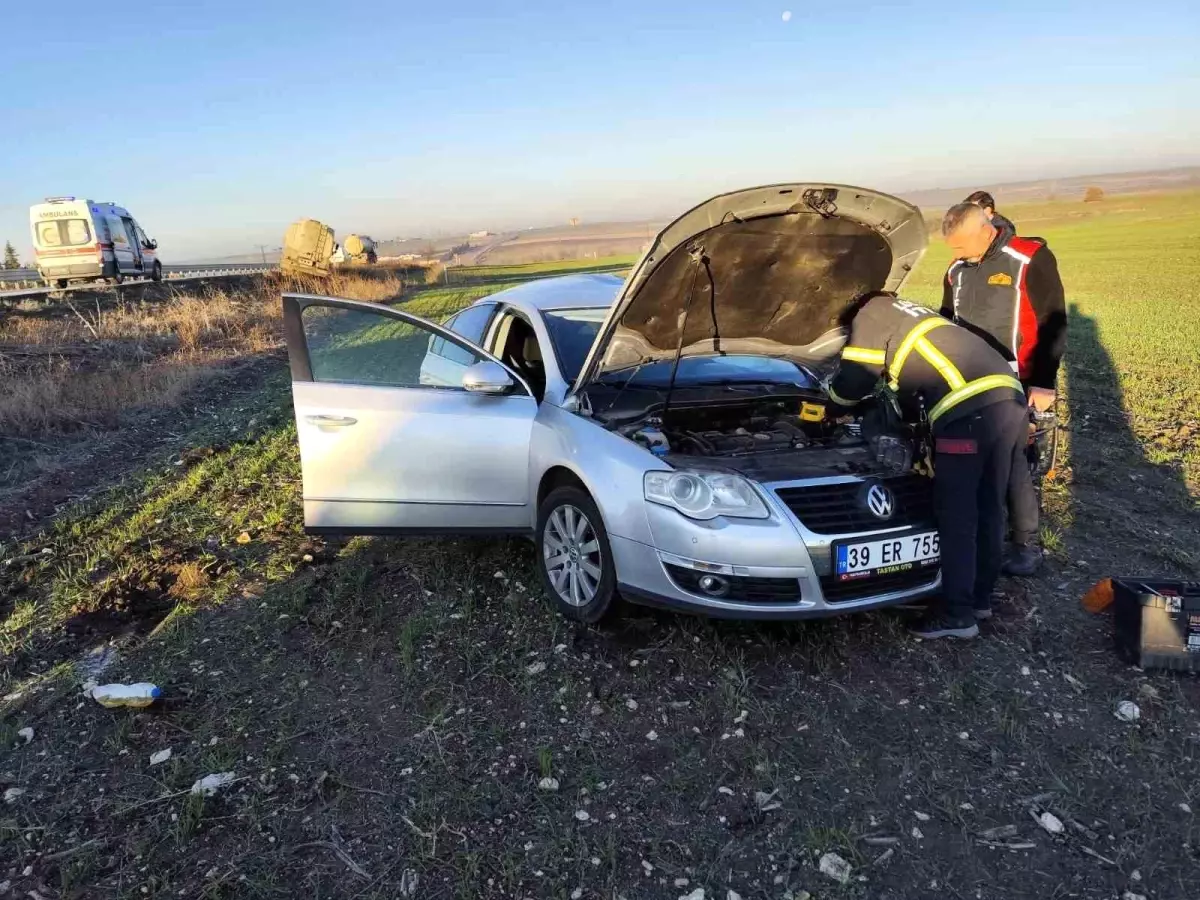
(572, 556)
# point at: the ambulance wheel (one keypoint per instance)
(61, 284)
(156, 272)
(117, 277)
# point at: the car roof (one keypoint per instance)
(564, 292)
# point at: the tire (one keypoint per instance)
(61, 284)
(571, 585)
(156, 271)
(117, 277)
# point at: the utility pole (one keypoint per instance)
(263, 250)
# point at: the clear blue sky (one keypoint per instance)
(217, 123)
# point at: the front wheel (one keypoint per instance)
(117, 277)
(574, 557)
(156, 272)
(61, 284)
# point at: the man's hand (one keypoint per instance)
(1042, 399)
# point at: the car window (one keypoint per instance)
(360, 347)
(472, 322)
(573, 331)
(63, 233)
(116, 232)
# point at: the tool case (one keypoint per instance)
(1156, 623)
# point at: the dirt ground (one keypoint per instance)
(410, 719)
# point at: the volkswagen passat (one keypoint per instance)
(664, 438)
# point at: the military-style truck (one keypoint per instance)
(308, 248)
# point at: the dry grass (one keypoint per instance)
(375, 284)
(190, 582)
(77, 366)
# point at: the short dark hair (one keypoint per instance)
(983, 199)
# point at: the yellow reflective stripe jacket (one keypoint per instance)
(952, 371)
(864, 355)
(945, 368)
(910, 341)
(973, 389)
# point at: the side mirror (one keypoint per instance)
(487, 377)
(151, 244)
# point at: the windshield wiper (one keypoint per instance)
(625, 384)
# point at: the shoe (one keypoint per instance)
(1023, 560)
(934, 627)
(984, 614)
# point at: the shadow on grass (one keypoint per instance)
(1118, 506)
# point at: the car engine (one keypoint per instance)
(778, 439)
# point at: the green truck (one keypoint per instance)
(308, 248)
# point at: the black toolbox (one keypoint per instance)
(1156, 622)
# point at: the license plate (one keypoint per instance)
(886, 556)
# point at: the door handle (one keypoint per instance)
(330, 421)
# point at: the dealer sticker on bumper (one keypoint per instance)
(886, 556)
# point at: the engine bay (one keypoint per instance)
(770, 426)
(778, 439)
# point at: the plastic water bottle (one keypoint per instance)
(135, 695)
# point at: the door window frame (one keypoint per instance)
(300, 362)
(499, 323)
(494, 309)
(437, 344)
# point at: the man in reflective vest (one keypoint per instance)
(1007, 289)
(975, 407)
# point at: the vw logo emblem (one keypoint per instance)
(880, 501)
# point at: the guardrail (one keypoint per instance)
(195, 269)
(171, 274)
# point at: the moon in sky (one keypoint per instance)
(787, 15)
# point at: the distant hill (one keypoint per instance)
(601, 239)
(1062, 188)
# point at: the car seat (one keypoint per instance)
(533, 366)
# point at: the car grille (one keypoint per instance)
(742, 588)
(843, 591)
(838, 508)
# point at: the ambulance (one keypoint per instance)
(81, 240)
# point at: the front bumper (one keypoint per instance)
(642, 578)
(774, 568)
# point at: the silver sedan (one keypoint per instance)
(662, 438)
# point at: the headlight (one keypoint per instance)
(705, 495)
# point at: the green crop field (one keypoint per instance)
(408, 718)
(542, 269)
(1131, 268)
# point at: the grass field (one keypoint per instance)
(389, 708)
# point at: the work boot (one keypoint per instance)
(940, 625)
(1023, 560)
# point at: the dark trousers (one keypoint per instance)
(1022, 504)
(974, 462)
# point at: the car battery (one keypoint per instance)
(1156, 623)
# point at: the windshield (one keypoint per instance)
(696, 370)
(573, 331)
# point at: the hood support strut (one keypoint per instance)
(698, 258)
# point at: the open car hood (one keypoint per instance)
(762, 271)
